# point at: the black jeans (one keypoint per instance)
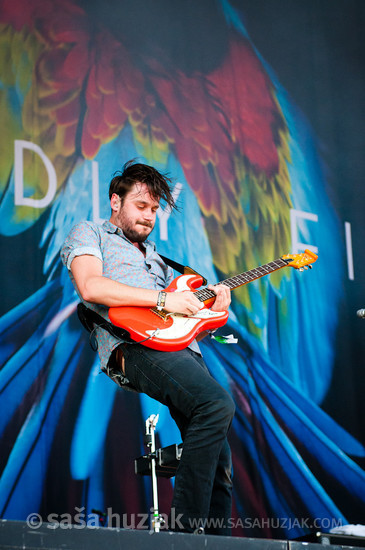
(203, 412)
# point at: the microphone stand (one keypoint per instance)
(151, 422)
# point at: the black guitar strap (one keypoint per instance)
(183, 269)
(89, 319)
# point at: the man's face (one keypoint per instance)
(137, 216)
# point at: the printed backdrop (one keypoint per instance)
(255, 109)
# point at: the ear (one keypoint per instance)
(115, 202)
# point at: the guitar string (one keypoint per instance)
(239, 280)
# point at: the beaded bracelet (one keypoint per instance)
(161, 300)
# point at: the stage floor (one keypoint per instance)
(16, 535)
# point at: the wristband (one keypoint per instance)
(161, 300)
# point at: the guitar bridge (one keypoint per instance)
(162, 314)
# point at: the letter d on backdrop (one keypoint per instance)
(19, 198)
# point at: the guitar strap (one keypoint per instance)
(89, 318)
(183, 269)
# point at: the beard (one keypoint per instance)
(130, 230)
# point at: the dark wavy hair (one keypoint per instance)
(159, 185)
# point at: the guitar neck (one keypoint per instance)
(204, 294)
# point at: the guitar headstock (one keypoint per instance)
(301, 261)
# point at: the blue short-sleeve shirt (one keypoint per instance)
(122, 262)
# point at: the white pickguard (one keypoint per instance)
(183, 325)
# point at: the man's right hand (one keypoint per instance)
(182, 302)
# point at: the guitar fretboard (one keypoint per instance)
(204, 294)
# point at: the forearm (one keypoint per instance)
(101, 290)
(95, 288)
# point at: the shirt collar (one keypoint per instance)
(111, 228)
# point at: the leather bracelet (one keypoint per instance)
(161, 300)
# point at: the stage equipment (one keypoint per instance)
(158, 462)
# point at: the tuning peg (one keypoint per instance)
(310, 266)
(301, 269)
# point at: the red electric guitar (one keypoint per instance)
(174, 331)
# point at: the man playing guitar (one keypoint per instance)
(115, 265)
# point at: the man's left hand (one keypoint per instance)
(223, 299)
